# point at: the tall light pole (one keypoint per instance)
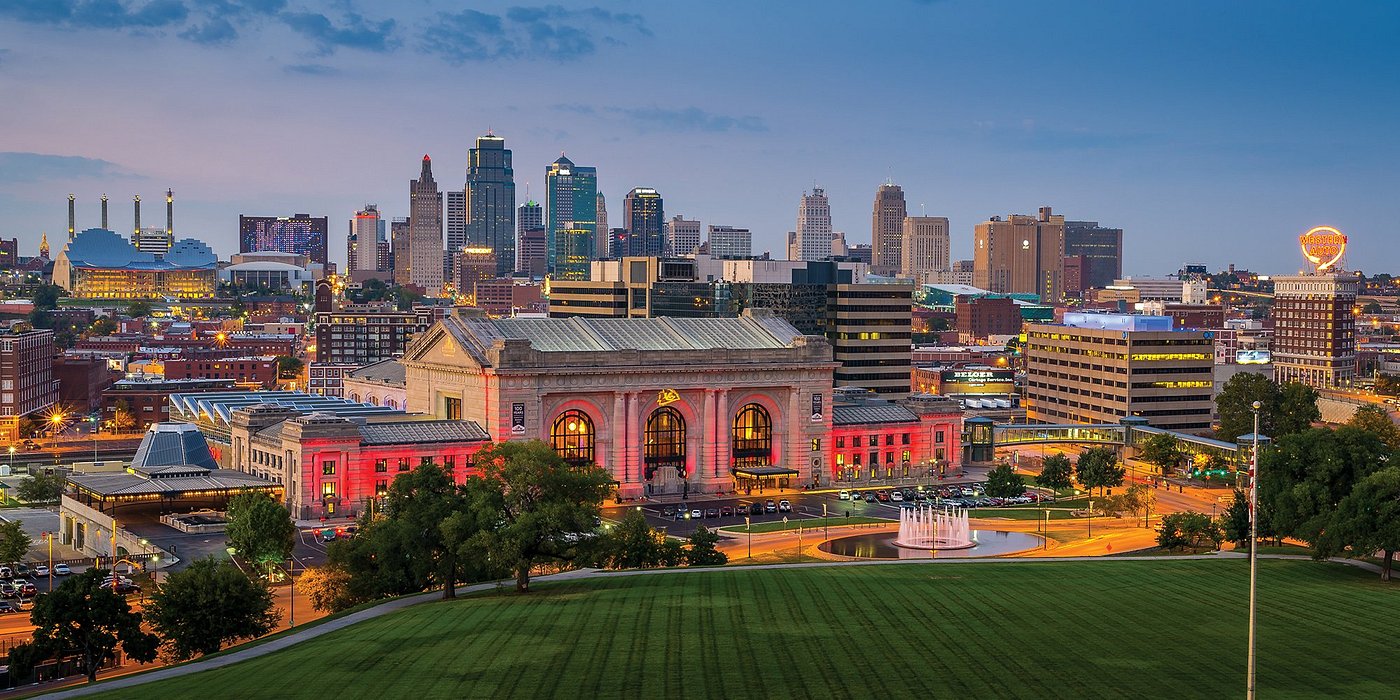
(1253, 546)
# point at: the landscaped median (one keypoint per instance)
(1126, 629)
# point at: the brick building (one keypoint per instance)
(252, 371)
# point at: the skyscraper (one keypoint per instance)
(425, 251)
(730, 242)
(528, 217)
(682, 235)
(887, 229)
(603, 248)
(454, 220)
(1102, 249)
(491, 200)
(644, 222)
(398, 254)
(813, 236)
(573, 218)
(362, 243)
(1021, 255)
(923, 248)
(302, 234)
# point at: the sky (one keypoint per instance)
(1209, 131)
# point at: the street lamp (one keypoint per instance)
(749, 533)
(1253, 547)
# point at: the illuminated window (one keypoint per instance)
(452, 408)
(328, 489)
(327, 468)
(403, 464)
(752, 437)
(664, 441)
(572, 437)
(381, 465)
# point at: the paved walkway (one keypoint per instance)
(401, 603)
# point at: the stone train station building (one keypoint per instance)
(669, 406)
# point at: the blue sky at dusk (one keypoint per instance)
(1210, 131)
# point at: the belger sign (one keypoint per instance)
(1323, 246)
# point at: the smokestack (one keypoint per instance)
(169, 213)
(71, 198)
(136, 232)
(104, 210)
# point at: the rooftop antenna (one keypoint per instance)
(921, 211)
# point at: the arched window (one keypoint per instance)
(664, 441)
(752, 438)
(392, 404)
(572, 437)
(355, 397)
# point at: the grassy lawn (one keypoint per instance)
(1135, 629)
(806, 523)
(1022, 513)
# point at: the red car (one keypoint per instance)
(882, 496)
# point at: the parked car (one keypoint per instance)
(123, 587)
(61, 570)
(6, 607)
(755, 508)
(21, 569)
(695, 514)
(896, 496)
(7, 590)
(869, 496)
(784, 506)
(669, 511)
(726, 511)
(26, 590)
(41, 571)
(882, 496)
(712, 512)
(844, 495)
(770, 506)
(6, 572)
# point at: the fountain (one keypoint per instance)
(925, 526)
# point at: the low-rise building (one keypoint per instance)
(379, 384)
(249, 371)
(874, 440)
(146, 399)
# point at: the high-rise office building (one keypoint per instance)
(682, 235)
(454, 221)
(471, 265)
(362, 242)
(924, 247)
(603, 248)
(26, 370)
(812, 240)
(964, 272)
(302, 234)
(1315, 328)
(646, 229)
(887, 230)
(491, 200)
(528, 217)
(573, 218)
(532, 252)
(1102, 251)
(730, 242)
(425, 250)
(1021, 255)
(398, 254)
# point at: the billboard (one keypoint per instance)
(1252, 357)
(976, 380)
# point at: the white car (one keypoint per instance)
(896, 496)
(61, 570)
(844, 495)
(41, 571)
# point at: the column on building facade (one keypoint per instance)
(617, 437)
(724, 422)
(706, 456)
(630, 436)
(796, 457)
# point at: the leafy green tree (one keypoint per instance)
(103, 326)
(41, 488)
(1189, 530)
(1372, 308)
(1162, 450)
(632, 544)
(1234, 522)
(1098, 467)
(380, 561)
(1004, 482)
(139, 309)
(200, 609)
(288, 367)
(84, 620)
(1297, 409)
(533, 506)
(14, 541)
(1376, 420)
(1056, 473)
(425, 504)
(122, 417)
(1305, 475)
(1367, 520)
(1235, 405)
(46, 297)
(260, 530)
(702, 549)
(328, 588)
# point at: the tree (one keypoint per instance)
(1188, 530)
(81, 618)
(1367, 520)
(103, 326)
(41, 488)
(1376, 420)
(1305, 476)
(208, 605)
(46, 297)
(328, 588)
(533, 506)
(632, 544)
(288, 367)
(1162, 450)
(14, 541)
(122, 417)
(1235, 521)
(139, 309)
(1056, 473)
(702, 550)
(260, 530)
(1235, 405)
(1098, 467)
(1297, 409)
(1372, 308)
(1004, 482)
(426, 505)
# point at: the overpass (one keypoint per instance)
(982, 437)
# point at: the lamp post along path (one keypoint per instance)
(1253, 548)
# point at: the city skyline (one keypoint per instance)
(1158, 136)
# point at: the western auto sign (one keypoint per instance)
(1323, 246)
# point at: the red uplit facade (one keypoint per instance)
(913, 439)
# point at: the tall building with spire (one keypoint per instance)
(887, 229)
(812, 240)
(603, 242)
(573, 218)
(425, 249)
(491, 200)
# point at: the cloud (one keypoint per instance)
(112, 14)
(550, 32)
(311, 69)
(575, 108)
(689, 119)
(19, 166)
(353, 32)
(215, 31)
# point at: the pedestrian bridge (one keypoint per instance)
(982, 437)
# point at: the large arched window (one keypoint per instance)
(572, 437)
(664, 441)
(752, 439)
